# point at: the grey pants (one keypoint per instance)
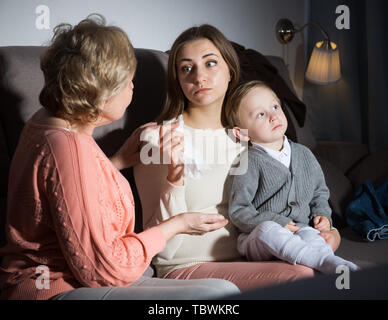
(147, 288)
(270, 240)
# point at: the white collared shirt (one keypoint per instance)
(284, 155)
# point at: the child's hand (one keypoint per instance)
(321, 223)
(332, 237)
(291, 226)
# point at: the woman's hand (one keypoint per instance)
(194, 223)
(197, 223)
(129, 153)
(171, 144)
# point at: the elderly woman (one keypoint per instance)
(70, 211)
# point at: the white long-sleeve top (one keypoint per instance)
(204, 193)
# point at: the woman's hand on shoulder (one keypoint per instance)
(129, 153)
(194, 223)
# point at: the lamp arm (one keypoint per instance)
(315, 24)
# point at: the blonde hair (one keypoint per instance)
(84, 66)
(230, 117)
(176, 102)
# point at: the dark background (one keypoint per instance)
(355, 108)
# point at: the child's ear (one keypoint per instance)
(240, 134)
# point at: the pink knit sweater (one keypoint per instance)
(70, 210)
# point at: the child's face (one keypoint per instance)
(261, 114)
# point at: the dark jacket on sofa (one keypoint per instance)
(255, 66)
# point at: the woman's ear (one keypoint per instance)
(241, 134)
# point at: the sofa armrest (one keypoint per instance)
(344, 155)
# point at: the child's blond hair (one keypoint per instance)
(232, 106)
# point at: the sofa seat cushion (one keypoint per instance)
(363, 253)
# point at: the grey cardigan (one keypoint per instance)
(271, 191)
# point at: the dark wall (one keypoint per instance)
(355, 108)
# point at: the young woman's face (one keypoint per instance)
(202, 73)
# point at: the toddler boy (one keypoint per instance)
(281, 203)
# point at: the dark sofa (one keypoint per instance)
(346, 165)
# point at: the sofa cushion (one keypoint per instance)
(303, 134)
(4, 164)
(365, 254)
(345, 155)
(341, 191)
(21, 81)
(374, 167)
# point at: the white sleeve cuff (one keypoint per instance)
(170, 188)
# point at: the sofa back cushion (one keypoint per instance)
(21, 81)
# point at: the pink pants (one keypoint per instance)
(245, 275)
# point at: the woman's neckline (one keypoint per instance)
(56, 127)
(51, 122)
(221, 130)
(200, 120)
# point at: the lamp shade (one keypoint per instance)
(324, 65)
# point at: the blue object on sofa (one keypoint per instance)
(368, 212)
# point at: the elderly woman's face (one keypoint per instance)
(115, 107)
(202, 73)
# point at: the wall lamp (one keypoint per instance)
(324, 64)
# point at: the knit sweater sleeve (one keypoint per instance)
(93, 215)
(241, 191)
